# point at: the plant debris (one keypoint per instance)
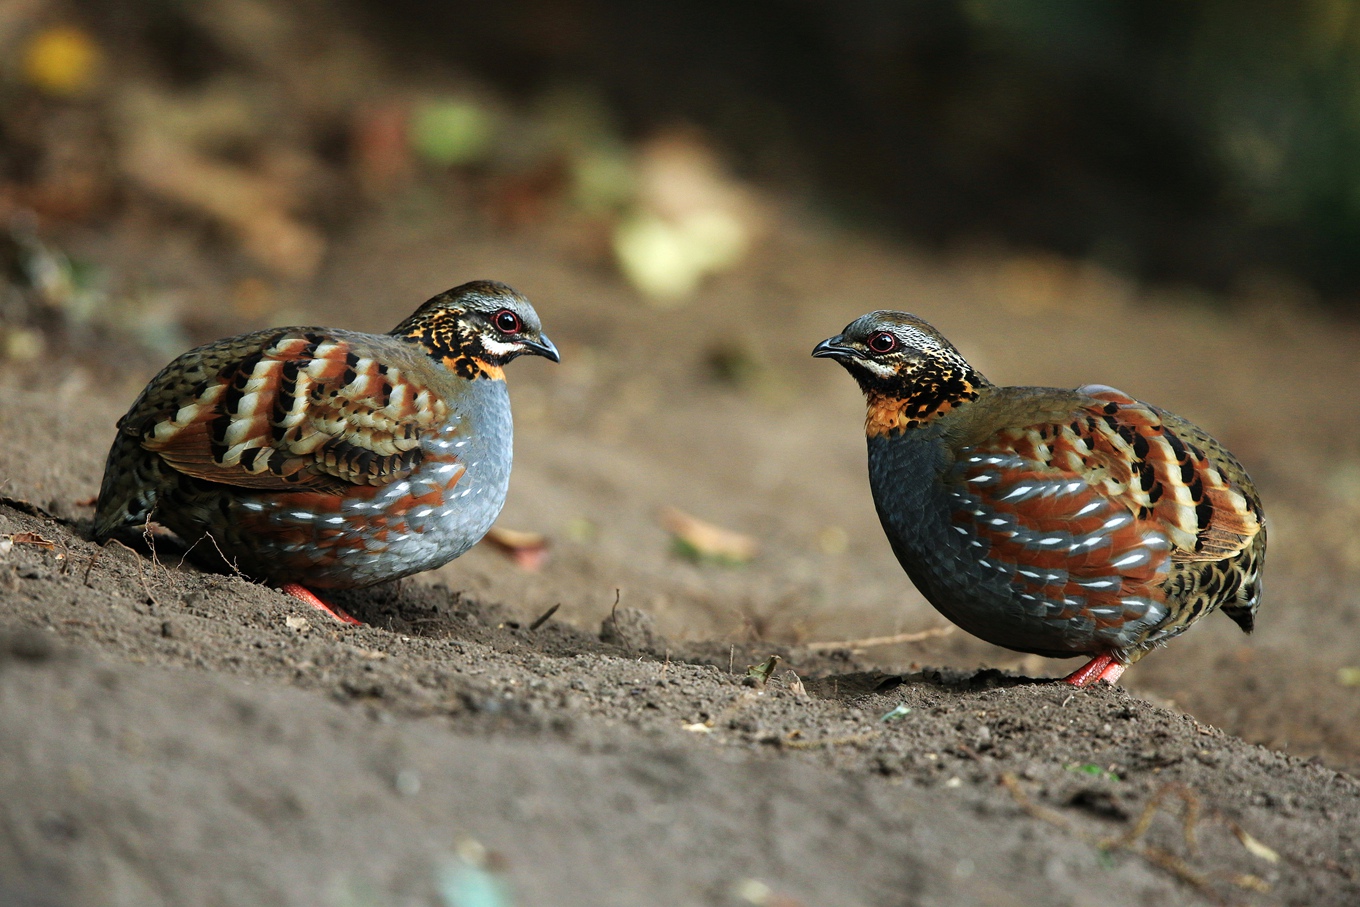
(544, 617)
(901, 710)
(1090, 768)
(855, 645)
(34, 539)
(529, 550)
(703, 542)
(761, 672)
(1253, 846)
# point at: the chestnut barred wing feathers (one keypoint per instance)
(301, 410)
(1173, 472)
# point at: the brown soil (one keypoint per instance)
(173, 737)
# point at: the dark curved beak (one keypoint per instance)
(542, 347)
(835, 348)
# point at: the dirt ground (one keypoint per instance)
(174, 737)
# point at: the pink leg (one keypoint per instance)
(302, 593)
(1102, 667)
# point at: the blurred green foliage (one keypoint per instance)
(1282, 103)
(1270, 91)
(1175, 139)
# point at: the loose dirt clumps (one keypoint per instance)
(174, 737)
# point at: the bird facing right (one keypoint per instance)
(320, 458)
(1055, 522)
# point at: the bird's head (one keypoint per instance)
(476, 328)
(907, 370)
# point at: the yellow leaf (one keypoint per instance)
(62, 61)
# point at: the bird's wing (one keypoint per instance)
(1092, 509)
(287, 410)
(1174, 474)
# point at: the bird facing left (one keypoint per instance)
(319, 458)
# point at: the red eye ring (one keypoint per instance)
(882, 342)
(507, 322)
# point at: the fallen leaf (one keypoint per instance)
(762, 671)
(1348, 677)
(1253, 846)
(32, 538)
(529, 550)
(701, 542)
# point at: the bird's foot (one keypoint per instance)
(302, 593)
(1102, 667)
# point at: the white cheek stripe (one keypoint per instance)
(499, 349)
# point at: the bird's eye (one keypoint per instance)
(882, 342)
(507, 322)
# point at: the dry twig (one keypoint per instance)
(872, 641)
(141, 575)
(94, 559)
(543, 618)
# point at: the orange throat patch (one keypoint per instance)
(888, 415)
(471, 367)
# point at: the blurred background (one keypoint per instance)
(1160, 196)
(1211, 144)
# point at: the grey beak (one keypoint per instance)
(834, 348)
(542, 347)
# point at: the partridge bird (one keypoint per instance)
(330, 459)
(1056, 522)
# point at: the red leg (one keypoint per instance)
(302, 593)
(1102, 667)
